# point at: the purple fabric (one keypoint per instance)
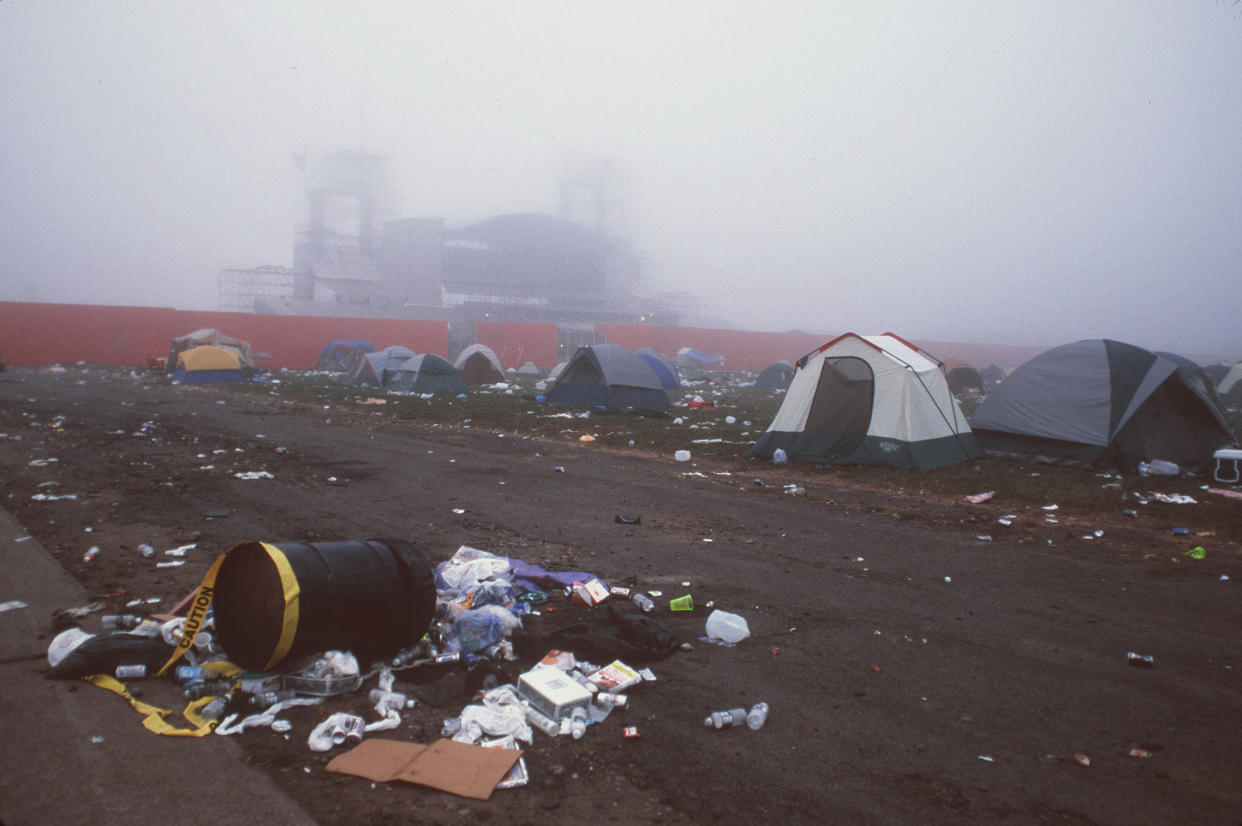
(533, 578)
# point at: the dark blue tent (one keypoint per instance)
(663, 366)
(343, 355)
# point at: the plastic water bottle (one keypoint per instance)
(643, 601)
(214, 709)
(725, 719)
(119, 621)
(91, 554)
(577, 722)
(756, 716)
(266, 699)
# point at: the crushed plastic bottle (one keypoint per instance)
(643, 601)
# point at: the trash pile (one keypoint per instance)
(474, 625)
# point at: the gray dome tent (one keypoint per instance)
(372, 367)
(478, 364)
(608, 375)
(425, 373)
(1103, 403)
(776, 376)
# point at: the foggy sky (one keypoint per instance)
(1021, 172)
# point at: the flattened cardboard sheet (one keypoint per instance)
(447, 765)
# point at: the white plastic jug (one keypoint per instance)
(721, 625)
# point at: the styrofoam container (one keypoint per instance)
(552, 692)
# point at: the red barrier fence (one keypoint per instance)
(516, 343)
(38, 334)
(742, 349)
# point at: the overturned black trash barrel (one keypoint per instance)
(278, 600)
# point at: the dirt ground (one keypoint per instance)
(915, 671)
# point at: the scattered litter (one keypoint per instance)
(374, 400)
(976, 498)
(779, 457)
(1173, 498)
(51, 497)
(1050, 507)
(1197, 552)
(179, 551)
(586, 437)
(1140, 660)
(1231, 494)
(986, 758)
(681, 456)
(459, 511)
(1082, 759)
(1140, 753)
(12, 605)
(254, 474)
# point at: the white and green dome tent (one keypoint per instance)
(869, 400)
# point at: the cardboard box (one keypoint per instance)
(615, 677)
(552, 692)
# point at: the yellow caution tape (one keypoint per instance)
(206, 593)
(154, 715)
(291, 591)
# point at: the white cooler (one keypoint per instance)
(1227, 469)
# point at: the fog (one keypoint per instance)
(1020, 172)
